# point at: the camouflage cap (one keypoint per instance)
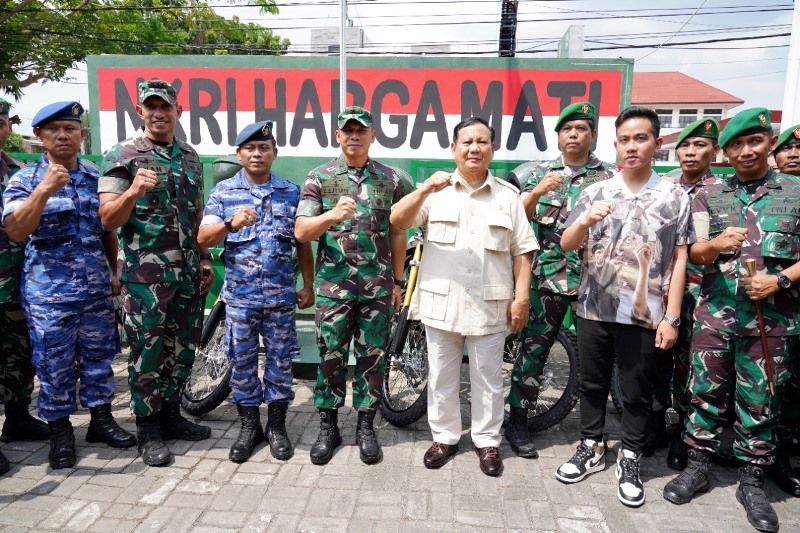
(790, 136)
(747, 122)
(355, 112)
(159, 88)
(5, 107)
(260, 131)
(705, 127)
(57, 111)
(577, 111)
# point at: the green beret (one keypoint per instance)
(747, 122)
(705, 127)
(577, 111)
(790, 136)
(5, 107)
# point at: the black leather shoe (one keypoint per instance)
(692, 480)
(279, 444)
(250, 434)
(21, 425)
(438, 454)
(489, 459)
(784, 475)
(750, 494)
(151, 445)
(62, 444)
(328, 439)
(518, 436)
(175, 426)
(103, 428)
(368, 446)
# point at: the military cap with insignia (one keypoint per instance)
(705, 127)
(5, 109)
(159, 88)
(577, 111)
(355, 112)
(790, 136)
(57, 111)
(260, 131)
(747, 122)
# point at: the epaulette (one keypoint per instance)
(507, 184)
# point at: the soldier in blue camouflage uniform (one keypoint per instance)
(548, 197)
(697, 148)
(753, 214)
(253, 212)
(66, 287)
(345, 204)
(787, 159)
(152, 189)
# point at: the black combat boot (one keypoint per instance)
(21, 425)
(328, 439)
(678, 449)
(103, 428)
(368, 446)
(784, 475)
(151, 445)
(750, 494)
(250, 434)
(692, 480)
(279, 445)
(517, 434)
(175, 426)
(5, 466)
(62, 444)
(657, 435)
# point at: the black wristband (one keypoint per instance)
(206, 257)
(399, 282)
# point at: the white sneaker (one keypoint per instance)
(589, 457)
(630, 490)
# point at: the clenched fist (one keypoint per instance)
(54, 179)
(597, 212)
(345, 208)
(143, 181)
(730, 240)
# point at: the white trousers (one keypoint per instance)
(445, 352)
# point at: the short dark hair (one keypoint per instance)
(636, 111)
(471, 121)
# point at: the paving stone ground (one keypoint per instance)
(113, 491)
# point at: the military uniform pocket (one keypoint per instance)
(433, 295)
(58, 219)
(498, 232)
(781, 238)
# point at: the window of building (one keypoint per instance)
(686, 117)
(713, 113)
(665, 117)
(662, 155)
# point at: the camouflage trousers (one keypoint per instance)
(724, 364)
(674, 367)
(162, 327)
(16, 368)
(366, 321)
(547, 313)
(71, 341)
(242, 328)
(789, 423)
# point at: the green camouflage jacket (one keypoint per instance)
(11, 253)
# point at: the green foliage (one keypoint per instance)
(42, 39)
(15, 143)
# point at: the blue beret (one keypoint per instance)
(260, 131)
(57, 111)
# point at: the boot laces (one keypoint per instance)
(630, 470)
(491, 452)
(582, 455)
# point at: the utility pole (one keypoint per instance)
(343, 55)
(791, 108)
(508, 28)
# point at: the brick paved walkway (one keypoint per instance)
(113, 491)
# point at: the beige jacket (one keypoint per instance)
(465, 282)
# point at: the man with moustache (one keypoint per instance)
(66, 283)
(474, 283)
(345, 204)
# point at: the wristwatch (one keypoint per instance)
(399, 282)
(206, 257)
(783, 281)
(672, 321)
(229, 225)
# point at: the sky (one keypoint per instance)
(753, 70)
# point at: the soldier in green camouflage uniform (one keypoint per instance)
(787, 159)
(697, 148)
(753, 214)
(16, 369)
(549, 197)
(152, 188)
(345, 204)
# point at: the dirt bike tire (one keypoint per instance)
(404, 398)
(209, 382)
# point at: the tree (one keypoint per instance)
(15, 143)
(42, 39)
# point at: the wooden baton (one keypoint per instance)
(750, 263)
